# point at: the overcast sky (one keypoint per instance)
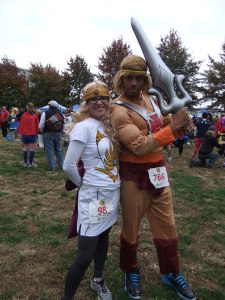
(52, 31)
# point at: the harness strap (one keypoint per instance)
(138, 110)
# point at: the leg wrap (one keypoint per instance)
(167, 255)
(128, 255)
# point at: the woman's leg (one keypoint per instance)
(31, 153)
(86, 251)
(25, 152)
(101, 253)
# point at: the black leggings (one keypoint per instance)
(4, 129)
(180, 145)
(88, 248)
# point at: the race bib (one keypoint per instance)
(158, 177)
(100, 210)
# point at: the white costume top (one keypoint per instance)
(99, 191)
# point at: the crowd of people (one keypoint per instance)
(52, 139)
(115, 155)
(30, 123)
(208, 135)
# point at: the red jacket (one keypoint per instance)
(4, 116)
(218, 125)
(29, 124)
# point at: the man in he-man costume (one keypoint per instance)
(143, 131)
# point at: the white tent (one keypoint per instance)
(46, 107)
(76, 107)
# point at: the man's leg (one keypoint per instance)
(161, 219)
(49, 147)
(4, 129)
(58, 148)
(134, 205)
(212, 159)
(180, 147)
(198, 142)
(202, 161)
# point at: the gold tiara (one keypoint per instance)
(133, 71)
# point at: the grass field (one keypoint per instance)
(35, 211)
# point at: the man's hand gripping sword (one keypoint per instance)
(162, 78)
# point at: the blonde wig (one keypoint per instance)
(15, 111)
(132, 64)
(98, 89)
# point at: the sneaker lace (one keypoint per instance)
(103, 287)
(135, 279)
(181, 281)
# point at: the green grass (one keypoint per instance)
(35, 212)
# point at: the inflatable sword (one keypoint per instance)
(162, 78)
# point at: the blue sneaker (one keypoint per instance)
(180, 286)
(132, 284)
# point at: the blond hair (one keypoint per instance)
(14, 111)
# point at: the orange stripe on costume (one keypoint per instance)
(164, 136)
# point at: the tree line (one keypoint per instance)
(41, 84)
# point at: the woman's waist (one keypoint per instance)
(87, 182)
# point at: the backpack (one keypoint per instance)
(9, 137)
(55, 122)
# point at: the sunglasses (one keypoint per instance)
(95, 100)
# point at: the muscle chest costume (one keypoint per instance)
(141, 151)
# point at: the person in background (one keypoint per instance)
(220, 126)
(51, 125)
(145, 187)
(4, 121)
(15, 123)
(19, 116)
(218, 123)
(9, 120)
(206, 150)
(28, 128)
(179, 143)
(93, 138)
(202, 126)
(20, 113)
(169, 152)
(210, 118)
